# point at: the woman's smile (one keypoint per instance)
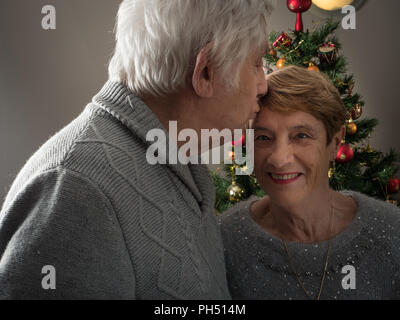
(284, 178)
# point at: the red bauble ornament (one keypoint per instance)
(393, 185)
(298, 7)
(345, 154)
(283, 41)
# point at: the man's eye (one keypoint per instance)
(262, 138)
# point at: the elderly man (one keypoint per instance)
(88, 216)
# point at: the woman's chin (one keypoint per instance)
(285, 198)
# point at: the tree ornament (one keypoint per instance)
(312, 67)
(298, 7)
(328, 53)
(283, 41)
(280, 64)
(393, 185)
(356, 112)
(345, 154)
(350, 88)
(332, 170)
(330, 173)
(351, 128)
(348, 117)
(235, 192)
(272, 52)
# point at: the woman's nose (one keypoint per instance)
(281, 155)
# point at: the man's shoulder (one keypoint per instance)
(86, 146)
(236, 215)
(103, 142)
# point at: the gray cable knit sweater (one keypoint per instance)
(112, 226)
(258, 265)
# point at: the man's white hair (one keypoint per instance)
(157, 41)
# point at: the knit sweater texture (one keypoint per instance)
(113, 226)
(364, 261)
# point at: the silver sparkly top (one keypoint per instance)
(364, 261)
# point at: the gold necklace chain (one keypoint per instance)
(326, 261)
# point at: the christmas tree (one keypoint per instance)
(358, 166)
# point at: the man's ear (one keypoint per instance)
(337, 141)
(204, 74)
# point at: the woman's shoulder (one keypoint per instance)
(372, 210)
(380, 220)
(237, 227)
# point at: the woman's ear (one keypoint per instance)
(204, 74)
(337, 141)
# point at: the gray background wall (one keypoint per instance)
(47, 77)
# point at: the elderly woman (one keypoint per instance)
(90, 216)
(306, 241)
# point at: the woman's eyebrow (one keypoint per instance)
(261, 129)
(303, 127)
(297, 127)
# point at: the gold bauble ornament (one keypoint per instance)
(351, 128)
(312, 67)
(280, 64)
(235, 192)
(356, 112)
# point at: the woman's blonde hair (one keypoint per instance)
(299, 89)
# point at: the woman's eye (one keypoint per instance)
(302, 136)
(262, 138)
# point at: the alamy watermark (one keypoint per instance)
(349, 21)
(49, 280)
(195, 150)
(349, 280)
(49, 18)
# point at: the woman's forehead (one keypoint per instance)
(267, 119)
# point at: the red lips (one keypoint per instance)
(284, 181)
